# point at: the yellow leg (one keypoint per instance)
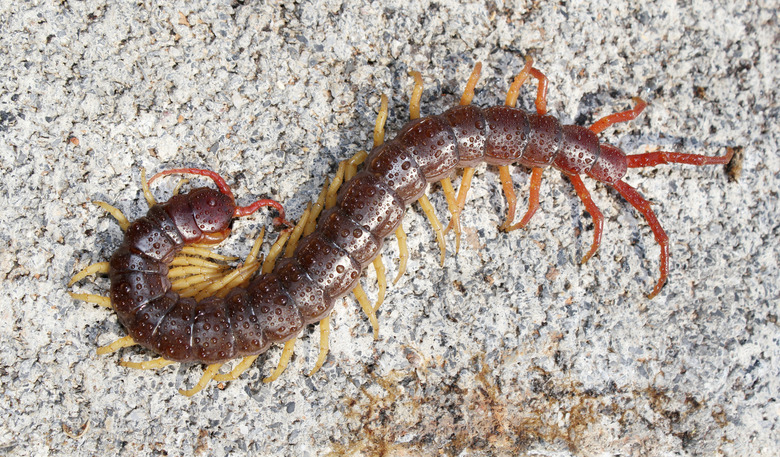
(145, 186)
(121, 219)
(330, 199)
(253, 253)
(190, 281)
(283, 361)
(206, 253)
(180, 272)
(403, 252)
(381, 281)
(123, 342)
(509, 193)
(317, 209)
(211, 370)
(230, 281)
(352, 164)
(428, 209)
(297, 232)
(468, 93)
(414, 102)
(324, 345)
(237, 371)
(465, 185)
(153, 364)
(186, 261)
(514, 89)
(105, 302)
(379, 125)
(449, 194)
(362, 298)
(179, 185)
(100, 267)
(275, 251)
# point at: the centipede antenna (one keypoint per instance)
(214, 176)
(242, 211)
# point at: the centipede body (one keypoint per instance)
(327, 263)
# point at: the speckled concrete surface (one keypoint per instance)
(513, 347)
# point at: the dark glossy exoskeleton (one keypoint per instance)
(327, 263)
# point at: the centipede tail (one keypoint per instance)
(328, 261)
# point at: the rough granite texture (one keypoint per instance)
(513, 347)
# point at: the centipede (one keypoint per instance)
(179, 300)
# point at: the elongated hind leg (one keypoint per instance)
(651, 159)
(643, 206)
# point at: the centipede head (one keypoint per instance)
(213, 212)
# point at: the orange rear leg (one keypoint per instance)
(643, 206)
(593, 210)
(623, 116)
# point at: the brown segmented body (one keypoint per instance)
(327, 264)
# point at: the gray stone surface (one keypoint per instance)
(512, 347)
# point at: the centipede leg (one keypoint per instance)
(414, 101)
(121, 219)
(403, 252)
(593, 210)
(533, 199)
(124, 342)
(316, 209)
(324, 345)
(514, 88)
(651, 159)
(208, 374)
(95, 268)
(465, 185)
(643, 206)
(541, 91)
(430, 212)
(509, 193)
(381, 280)
(153, 364)
(616, 118)
(369, 310)
(468, 172)
(468, 92)
(237, 371)
(101, 300)
(449, 194)
(283, 361)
